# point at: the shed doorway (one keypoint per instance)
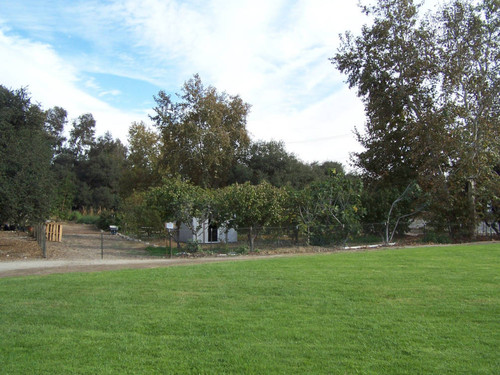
(213, 233)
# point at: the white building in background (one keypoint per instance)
(209, 233)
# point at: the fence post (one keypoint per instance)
(102, 244)
(44, 241)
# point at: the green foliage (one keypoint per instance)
(137, 214)
(180, 202)
(436, 237)
(26, 188)
(331, 210)
(75, 216)
(270, 162)
(83, 218)
(142, 160)
(432, 117)
(107, 218)
(193, 246)
(243, 250)
(203, 134)
(88, 219)
(88, 171)
(161, 251)
(253, 207)
(82, 136)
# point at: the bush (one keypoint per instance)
(106, 219)
(88, 219)
(244, 249)
(161, 251)
(136, 214)
(436, 237)
(193, 246)
(75, 216)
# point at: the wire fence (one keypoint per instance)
(274, 238)
(104, 244)
(39, 232)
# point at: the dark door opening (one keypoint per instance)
(213, 233)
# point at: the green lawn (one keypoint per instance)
(410, 311)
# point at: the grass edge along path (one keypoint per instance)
(402, 311)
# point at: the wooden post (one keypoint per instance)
(170, 236)
(102, 244)
(44, 242)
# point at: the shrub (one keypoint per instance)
(106, 219)
(193, 246)
(244, 249)
(75, 216)
(436, 237)
(88, 219)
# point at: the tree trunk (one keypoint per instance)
(251, 239)
(178, 232)
(471, 200)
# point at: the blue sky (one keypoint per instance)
(110, 57)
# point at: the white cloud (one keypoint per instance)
(320, 132)
(110, 93)
(53, 82)
(272, 53)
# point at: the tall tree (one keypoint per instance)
(203, 134)
(270, 161)
(82, 135)
(430, 90)
(102, 171)
(57, 118)
(25, 157)
(468, 48)
(142, 159)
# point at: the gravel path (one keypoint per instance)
(46, 267)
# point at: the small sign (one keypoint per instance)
(169, 226)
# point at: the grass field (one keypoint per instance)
(408, 311)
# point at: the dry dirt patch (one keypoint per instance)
(18, 246)
(79, 241)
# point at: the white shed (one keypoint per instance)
(208, 233)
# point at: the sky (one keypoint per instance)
(110, 58)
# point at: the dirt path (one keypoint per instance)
(82, 241)
(46, 267)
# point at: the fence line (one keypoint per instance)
(40, 236)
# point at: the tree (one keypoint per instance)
(102, 171)
(270, 161)
(395, 216)
(82, 136)
(430, 90)
(180, 202)
(331, 209)
(253, 207)
(203, 135)
(25, 157)
(57, 118)
(142, 159)
(468, 39)
(309, 206)
(137, 213)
